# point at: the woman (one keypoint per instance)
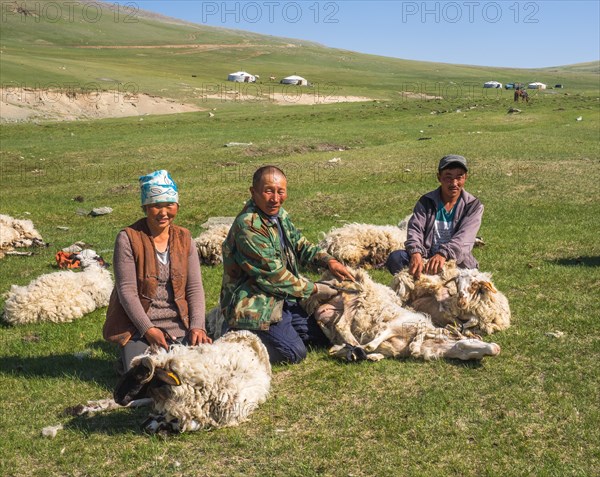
(158, 297)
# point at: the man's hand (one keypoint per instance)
(340, 271)
(198, 336)
(415, 266)
(155, 336)
(434, 265)
(322, 293)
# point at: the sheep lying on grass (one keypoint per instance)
(368, 321)
(209, 244)
(200, 387)
(60, 297)
(465, 297)
(364, 245)
(17, 233)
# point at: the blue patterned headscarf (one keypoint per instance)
(158, 186)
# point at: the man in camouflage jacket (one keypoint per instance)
(261, 284)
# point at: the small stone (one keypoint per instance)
(100, 211)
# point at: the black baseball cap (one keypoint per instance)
(452, 160)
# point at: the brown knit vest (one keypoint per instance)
(118, 328)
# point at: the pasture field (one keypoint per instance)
(531, 411)
(56, 46)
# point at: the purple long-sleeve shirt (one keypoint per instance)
(467, 220)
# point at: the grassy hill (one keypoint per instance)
(46, 46)
(533, 410)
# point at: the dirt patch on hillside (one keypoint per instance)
(310, 98)
(421, 96)
(300, 97)
(23, 104)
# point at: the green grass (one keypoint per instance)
(531, 411)
(44, 52)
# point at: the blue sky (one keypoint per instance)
(477, 32)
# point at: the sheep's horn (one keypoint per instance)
(147, 363)
(167, 377)
(488, 286)
(453, 279)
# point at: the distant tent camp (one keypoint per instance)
(492, 84)
(536, 85)
(241, 77)
(295, 79)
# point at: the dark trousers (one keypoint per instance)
(397, 261)
(138, 345)
(286, 340)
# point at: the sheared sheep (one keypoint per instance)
(465, 297)
(365, 245)
(60, 297)
(367, 320)
(209, 244)
(17, 233)
(200, 387)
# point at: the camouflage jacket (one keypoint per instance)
(257, 274)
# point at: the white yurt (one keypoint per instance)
(492, 84)
(241, 77)
(536, 85)
(294, 79)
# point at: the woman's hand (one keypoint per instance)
(198, 336)
(155, 336)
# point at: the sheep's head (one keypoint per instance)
(471, 284)
(143, 379)
(89, 258)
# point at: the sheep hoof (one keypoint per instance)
(355, 353)
(156, 425)
(467, 349)
(370, 348)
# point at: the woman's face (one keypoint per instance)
(160, 215)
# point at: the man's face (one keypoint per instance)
(270, 193)
(453, 181)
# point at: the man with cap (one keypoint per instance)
(443, 226)
(158, 297)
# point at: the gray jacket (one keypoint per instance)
(467, 220)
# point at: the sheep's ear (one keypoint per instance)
(167, 377)
(487, 286)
